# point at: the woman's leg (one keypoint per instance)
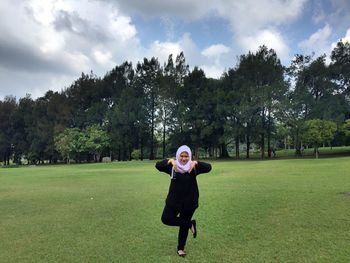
(186, 216)
(170, 218)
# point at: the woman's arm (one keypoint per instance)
(164, 166)
(202, 167)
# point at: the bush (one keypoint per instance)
(106, 159)
(136, 154)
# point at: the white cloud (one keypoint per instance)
(270, 38)
(68, 36)
(185, 44)
(103, 57)
(43, 11)
(210, 59)
(347, 36)
(213, 71)
(344, 39)
(318, 42)
(249, 20)
(58, 39)
(121, 27)
(250, 15)
(162, 50)
(213, 65)
(215, 50)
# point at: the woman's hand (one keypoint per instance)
(193, 164)
(172, 162)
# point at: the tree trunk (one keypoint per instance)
(211, 152)
(269, 136)
(151, 157)
(285, 142)
(196, 152)
(119, 155)
(237, 146)
(224, 152)
(164, 123)
(141, 148)
(262, 146)
(248, 146)
(297, 143)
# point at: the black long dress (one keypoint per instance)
(183, 191)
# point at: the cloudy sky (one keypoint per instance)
(46, 44)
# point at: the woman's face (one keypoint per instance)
(184, 158)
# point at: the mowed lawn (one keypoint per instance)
(250, 211)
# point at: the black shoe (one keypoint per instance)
(194, 224)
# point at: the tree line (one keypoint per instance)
(147, 111)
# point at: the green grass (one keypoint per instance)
(308, 153)
(256, 211)
(324, 152)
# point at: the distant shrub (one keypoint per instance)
(106, 159)
(136, 154)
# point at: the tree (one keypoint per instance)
(97, 140)
(149, 76)
(167, 99)
(22, 121)
(83, 99)
(340, 66)
(259, 81)
(346, 128)
(124, 134)
(70, 143)
(241, 100)
(7, 110)
(116, 86)
(314, 95)
(193, 100)
(270, 87)
(318, 131)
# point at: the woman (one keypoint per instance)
(182, 199)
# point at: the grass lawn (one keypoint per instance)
(308, 153)
(294, 210)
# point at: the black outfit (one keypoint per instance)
(182, 198)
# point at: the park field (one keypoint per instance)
(292, 210)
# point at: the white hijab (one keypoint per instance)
(183, 168)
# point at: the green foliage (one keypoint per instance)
(72, 142)
(96, 140)
(340, 66)
(69, 143)
(136, 154)
(346, 128)
(7, 111)
(316, 132)
(254, 91)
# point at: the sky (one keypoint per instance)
(47, 44)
